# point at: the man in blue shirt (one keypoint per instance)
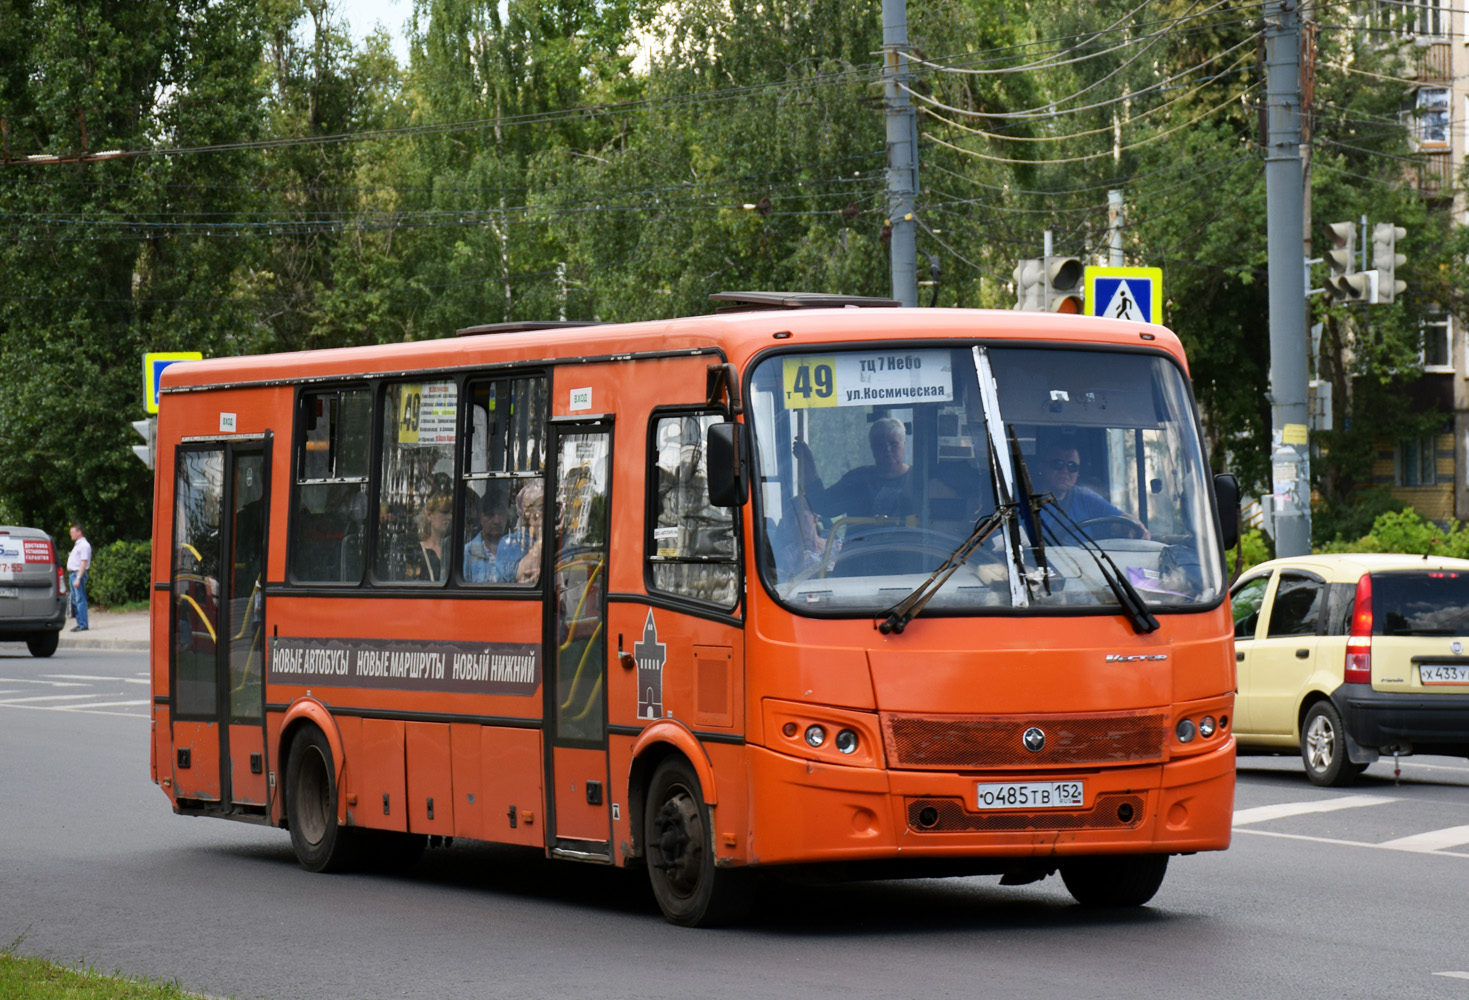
(1058, 469)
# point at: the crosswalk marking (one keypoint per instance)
(1261, 814)
(1433, 840)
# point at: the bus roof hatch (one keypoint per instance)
(747, 301)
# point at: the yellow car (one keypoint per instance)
(1350, 656)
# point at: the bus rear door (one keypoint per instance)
(216, 656)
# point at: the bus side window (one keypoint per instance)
(416, 488)
(691, 550)
(505, 441)
(331, 486)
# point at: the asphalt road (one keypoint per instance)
(1344, 893)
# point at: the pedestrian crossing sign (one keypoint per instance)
(1132, 293)
(153, 365)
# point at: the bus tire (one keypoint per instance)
(1324, 748)
(1115, 880)
(42, 644)
(690, 890)
(320, 842)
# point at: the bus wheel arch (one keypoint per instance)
(664, 738)
(313, 803)
(307, 712)
(691, 890)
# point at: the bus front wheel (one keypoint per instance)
(1115, 880)
(321, 844)
(690, 890)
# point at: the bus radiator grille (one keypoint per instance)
(968, 741)
(1119, 811)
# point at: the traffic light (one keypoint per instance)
(1345, 284)
(1030, 288)
(1049, 284)
(1063, 284)
(1386, 260)
(145, 429)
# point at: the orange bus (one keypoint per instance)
(810, 581)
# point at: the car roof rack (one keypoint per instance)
(525, 326)
(748, 301)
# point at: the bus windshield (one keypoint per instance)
(876, 464)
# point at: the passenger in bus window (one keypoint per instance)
(427, 562)
(518, 557)
(1056, 471)
(480, 552)
(882, 489)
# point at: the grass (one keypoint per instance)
(123, 607)
(24, 978)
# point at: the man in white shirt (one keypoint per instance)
(77, 565)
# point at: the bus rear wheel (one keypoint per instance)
(690, 889)
(1115, 880)
(320, 842)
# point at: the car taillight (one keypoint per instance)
(1358, 667)
(60, 580)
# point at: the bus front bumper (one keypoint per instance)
(804, 811)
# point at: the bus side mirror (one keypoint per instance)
(1226, 499)
(725, 466)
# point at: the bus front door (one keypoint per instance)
(218, 627)
(576, 643)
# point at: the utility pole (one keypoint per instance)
(1290, 458)
(902, 133)
(1115, 215)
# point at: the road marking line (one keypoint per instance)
(47, 697)
(1453, 975)
(1261, 814)
(1348, 843)
(67, 708)
(32, 680)
(1433, 840)
(104, 704)
(91, 677)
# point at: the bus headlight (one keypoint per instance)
(815, 735)
(1185, 730)
(846, 741)
(1206, 726)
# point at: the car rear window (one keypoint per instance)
(1421, 602)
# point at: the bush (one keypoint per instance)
(1257, 547)
(1336, 524)
(121, 573)
(1407, 531)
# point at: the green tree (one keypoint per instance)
(106, 259)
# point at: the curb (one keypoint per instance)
(88, 642)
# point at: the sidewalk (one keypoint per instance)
(106, 630)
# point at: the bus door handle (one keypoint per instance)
(1302, 654)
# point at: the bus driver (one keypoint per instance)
(882, 489)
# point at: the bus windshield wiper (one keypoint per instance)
(1133, 605)
(1027, 490)
(908, 608)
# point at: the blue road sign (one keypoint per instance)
(1131, 293)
